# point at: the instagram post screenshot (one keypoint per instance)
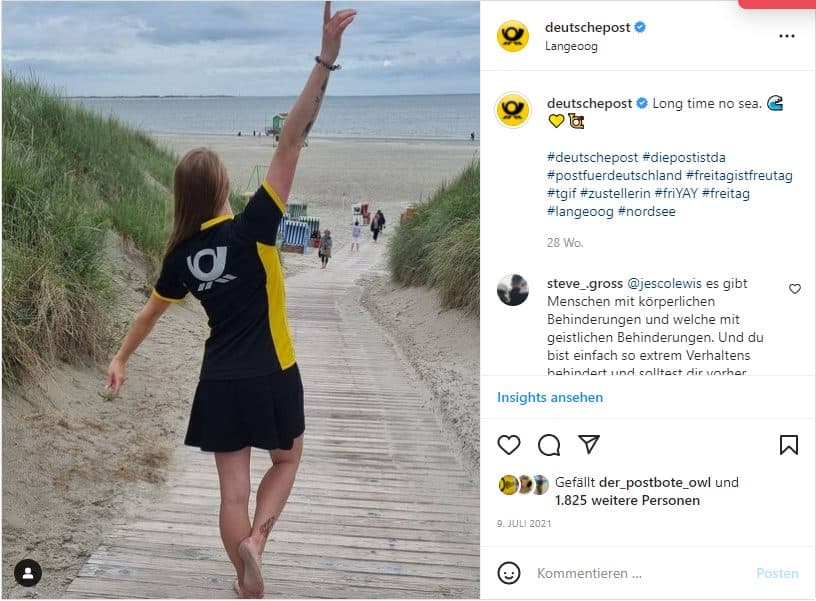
(262, 338)
(240, 299)
(647, 366)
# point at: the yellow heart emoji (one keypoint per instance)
(556, 120)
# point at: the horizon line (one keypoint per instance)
(254, 96)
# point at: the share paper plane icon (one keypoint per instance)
(590, 440)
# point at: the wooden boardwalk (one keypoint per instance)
(381, 506)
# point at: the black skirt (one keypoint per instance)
(265, 412)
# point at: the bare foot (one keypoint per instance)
(239, 592)
(253, 578)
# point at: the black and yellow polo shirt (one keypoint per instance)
(233, 268)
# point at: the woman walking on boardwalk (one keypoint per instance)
(325, 248)
(250, 392)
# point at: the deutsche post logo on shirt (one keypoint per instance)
(512, 36)
(215, 273)
(513, 109)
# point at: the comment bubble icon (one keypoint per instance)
(549, 445)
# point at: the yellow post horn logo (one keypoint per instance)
(513, 110)
(512, 36)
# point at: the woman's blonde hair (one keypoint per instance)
(200, 189)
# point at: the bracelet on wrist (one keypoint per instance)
(322, 63)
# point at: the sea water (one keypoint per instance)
(449, 117)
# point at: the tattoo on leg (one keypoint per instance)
(266, 527)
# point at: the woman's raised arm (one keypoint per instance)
(299, 122)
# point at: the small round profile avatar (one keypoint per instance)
(512, 290)
(508, 484)
(512, 36)
(542, 485)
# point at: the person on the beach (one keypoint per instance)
(250, 392)
(325, 248)
(382, 220)
(375, 225)
(355, 236)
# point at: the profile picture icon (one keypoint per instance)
(525, 484)
(542, 485)
(513, 290)
(513, 110)
(508, 484)
(512, 36)
(27, 573)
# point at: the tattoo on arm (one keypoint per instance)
(318, 101)
(307, 129)
(266, 527)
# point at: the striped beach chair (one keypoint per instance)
(312, 222)
(294, 235)
(297, 209)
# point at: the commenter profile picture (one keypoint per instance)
(513, 289)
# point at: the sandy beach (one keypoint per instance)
(74, 465)
(334, 174)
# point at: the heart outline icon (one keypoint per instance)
(795, 288)
(556, 119)
(506, 440)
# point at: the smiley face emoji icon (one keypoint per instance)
(512, 109)
(512, 36)
(509, 572)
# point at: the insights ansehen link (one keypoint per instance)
(533, 397)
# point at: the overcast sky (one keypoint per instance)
(240, 48)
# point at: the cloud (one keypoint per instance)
(258, 48)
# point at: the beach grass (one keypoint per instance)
(69, 177)
(438, 246)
